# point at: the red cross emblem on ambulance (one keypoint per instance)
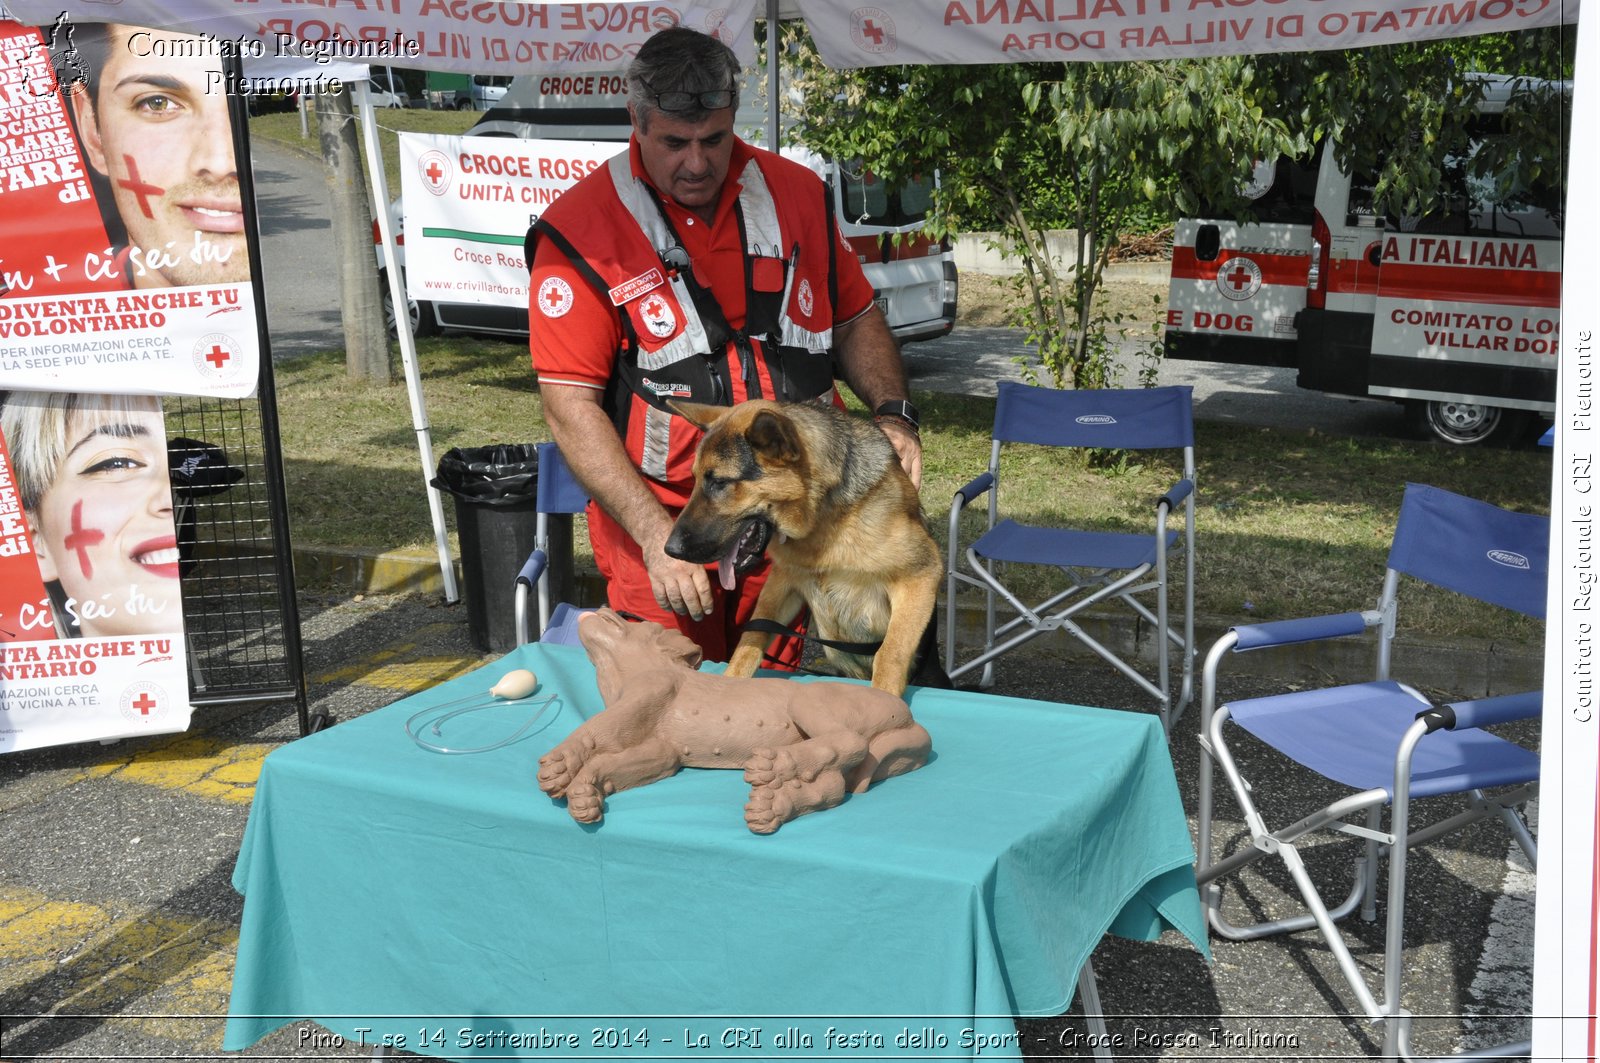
(1238, 278)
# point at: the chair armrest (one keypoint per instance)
(1304, 629)
(1176, 493)
(1485, 712)
(977, 487)
(533, 568)
(959, 502)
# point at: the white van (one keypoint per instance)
(914, 276)
(1455, 314)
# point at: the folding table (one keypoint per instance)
(442, 902)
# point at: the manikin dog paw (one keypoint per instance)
(746, 552)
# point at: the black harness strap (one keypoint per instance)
(772, 627)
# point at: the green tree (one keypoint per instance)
(1100, 146)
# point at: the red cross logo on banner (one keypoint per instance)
(433, 166)
(872, 30)
(144, 703)
(214, 355)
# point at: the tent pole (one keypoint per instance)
(773, 54)
(408, 343)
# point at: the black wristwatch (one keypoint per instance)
(900, 410)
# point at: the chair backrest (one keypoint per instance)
(1120, 419)
(1473, 548)
(558, 490)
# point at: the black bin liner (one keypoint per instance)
(495, 491)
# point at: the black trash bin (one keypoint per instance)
(496, 514)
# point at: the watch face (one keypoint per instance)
(899, 408)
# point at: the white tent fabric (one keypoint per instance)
(533, 36)
(521, 36)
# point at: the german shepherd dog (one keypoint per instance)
(823, 493)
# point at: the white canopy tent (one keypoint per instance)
(527, 36)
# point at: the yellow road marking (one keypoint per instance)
(202, 765)
(142, 963)
(400, 668)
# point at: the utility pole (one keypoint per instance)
(366, 338)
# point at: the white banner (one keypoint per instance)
(172, 341)
(468, 204)
(852, 34)
(467, 35)
(1566, 980)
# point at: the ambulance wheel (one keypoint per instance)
(1465, 424)
(423, 323)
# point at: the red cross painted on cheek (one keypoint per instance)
(139, 188)
(81, 538)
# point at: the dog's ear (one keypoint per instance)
(774, 437)
(698, 414)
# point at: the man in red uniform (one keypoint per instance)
(692, 266)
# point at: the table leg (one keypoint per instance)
(1093, 1018)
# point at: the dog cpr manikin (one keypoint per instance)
(802, 746)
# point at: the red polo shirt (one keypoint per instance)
(581, 348)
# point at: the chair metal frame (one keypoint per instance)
(1122, 419)
(557, 492)
(1419, 555)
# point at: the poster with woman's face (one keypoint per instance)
(124, 275)
(91, 612)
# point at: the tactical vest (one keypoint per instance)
(676, 342)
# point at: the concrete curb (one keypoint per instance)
(1477, 668)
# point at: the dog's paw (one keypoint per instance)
(585, 802)
(557, 769)
(767, 810)
(769, 767)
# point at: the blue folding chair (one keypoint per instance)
(1382, 740)
(1101, 566)
(557, 492)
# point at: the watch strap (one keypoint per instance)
(900, 410)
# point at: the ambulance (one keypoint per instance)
(1454, 314)
(913, 275)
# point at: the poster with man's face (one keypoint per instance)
(124, 254)
(124, 276)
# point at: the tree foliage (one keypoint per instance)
(1102, 147)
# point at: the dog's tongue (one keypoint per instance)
(725, 566)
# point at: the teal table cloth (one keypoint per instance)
(444, 905)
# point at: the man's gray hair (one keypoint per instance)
(681, 60)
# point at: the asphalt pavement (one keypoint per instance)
(118, 921)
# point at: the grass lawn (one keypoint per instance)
(1291, 522)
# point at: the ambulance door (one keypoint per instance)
(1236, 286)
(1335, 327)
(1468, 311)
(913, 276)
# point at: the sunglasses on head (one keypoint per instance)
(711, 100)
